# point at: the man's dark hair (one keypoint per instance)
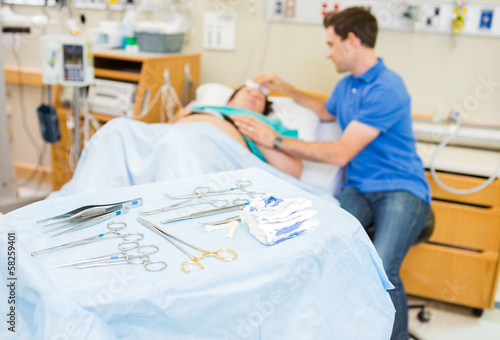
(357, 20)
(267, 109)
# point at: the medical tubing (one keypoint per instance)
(454, 190)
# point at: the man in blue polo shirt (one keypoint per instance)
(385, 180)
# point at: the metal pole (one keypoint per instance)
(6, 192)
(76, 140)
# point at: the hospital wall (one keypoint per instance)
(441, 75)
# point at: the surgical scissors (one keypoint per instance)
(194, 260)
(100, 237)
(240, 185)
(122, 257)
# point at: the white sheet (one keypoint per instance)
(126, 152)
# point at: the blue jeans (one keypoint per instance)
(398, 218)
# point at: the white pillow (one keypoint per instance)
(211, 94)
(292, 115)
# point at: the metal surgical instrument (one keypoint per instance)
(194, 260)
(241, 185)
(91, 210)
(130, 237)
(90, 222)
(207, 213)
(122, 257)
(218, 203)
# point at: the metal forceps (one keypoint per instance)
(89, 222)
(194, 260)
(93, 210)
(122, 257)
(129, 237)
(217, 203)
(208, 212)
(240, 185)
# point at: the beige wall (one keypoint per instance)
(438, 73)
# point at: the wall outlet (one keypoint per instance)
(290, 8)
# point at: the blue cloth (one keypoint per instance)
(378, 98)
(398, 218)
(126, 152)
(235, 111)
(321, 285)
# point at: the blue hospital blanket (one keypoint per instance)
(126, 152)
(326, 284)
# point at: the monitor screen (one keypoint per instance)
(73, 63)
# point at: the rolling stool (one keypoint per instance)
(423, 315)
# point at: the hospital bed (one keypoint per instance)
(328, 283)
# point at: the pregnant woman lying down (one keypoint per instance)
(247, 101)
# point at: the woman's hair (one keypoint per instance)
(357, 20)
(267, 109)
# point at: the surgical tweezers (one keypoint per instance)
(207, 213)
(93, 221)
(92, 210)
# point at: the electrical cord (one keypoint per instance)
(483, 185)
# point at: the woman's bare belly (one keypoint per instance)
(219, 123)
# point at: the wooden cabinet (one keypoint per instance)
(144, 69)
(460, 263)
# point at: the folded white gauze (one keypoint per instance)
(253, 85)
(272, 220)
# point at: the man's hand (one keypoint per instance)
(256, 130)
(272, 81)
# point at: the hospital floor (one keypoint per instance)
(447, 321)
(455, 322)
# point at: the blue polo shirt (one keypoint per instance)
(378, 98)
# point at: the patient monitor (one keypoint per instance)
(66, 60)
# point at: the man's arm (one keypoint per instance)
(273, 82)
(354, 139)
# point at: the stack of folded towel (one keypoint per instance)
(272, 220)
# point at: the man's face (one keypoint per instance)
(340, 52)
(251, 99)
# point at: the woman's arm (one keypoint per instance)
(283, 162)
